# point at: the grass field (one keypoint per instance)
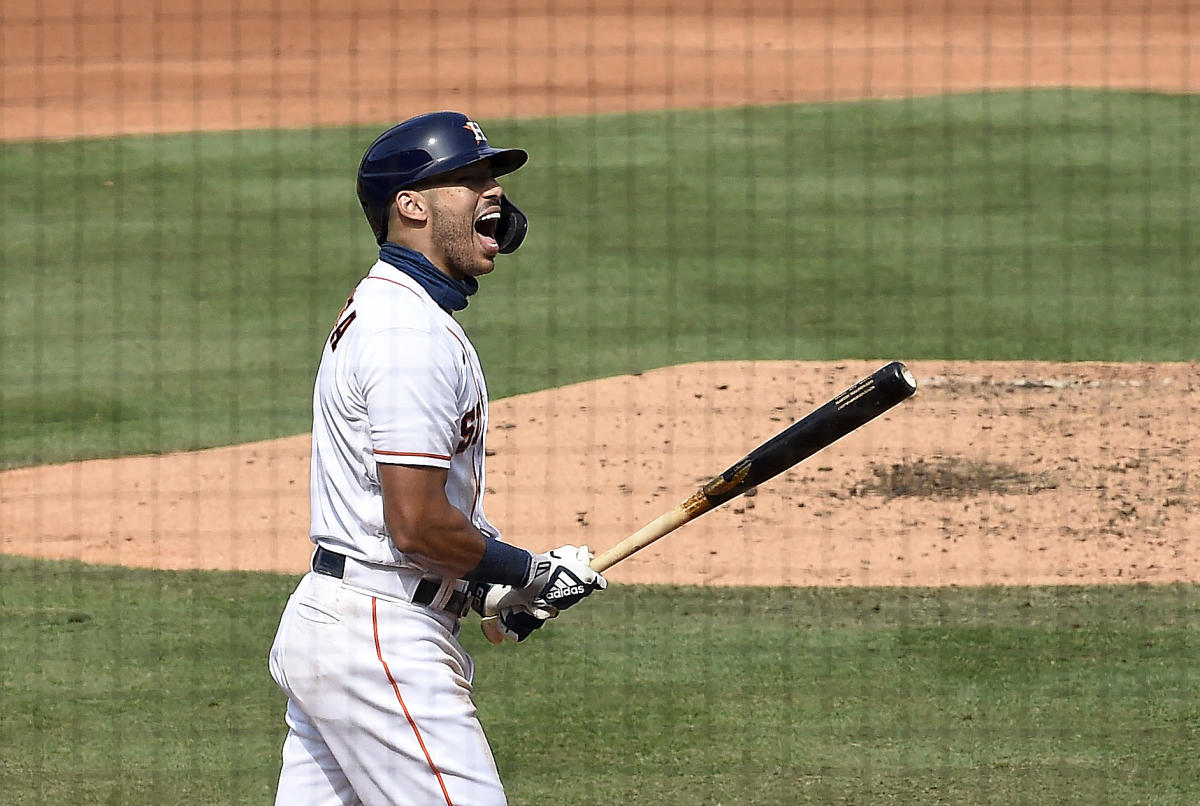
(172, 292)
(141, 687)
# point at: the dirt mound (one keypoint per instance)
(998, 472)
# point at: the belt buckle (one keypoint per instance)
(329, 563)
(458, 603)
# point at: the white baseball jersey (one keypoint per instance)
(399, 382)
(378, 685)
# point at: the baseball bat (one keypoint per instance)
(858, 405)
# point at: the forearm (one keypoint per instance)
(424, 525)
(459, 550)
(444, 541)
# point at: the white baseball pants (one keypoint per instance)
(379, 704)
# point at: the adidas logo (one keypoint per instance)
(562, 587)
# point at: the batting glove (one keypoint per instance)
(515, 623)
(560, 578)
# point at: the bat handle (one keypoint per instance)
(662, 525)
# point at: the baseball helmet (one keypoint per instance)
(428, 146)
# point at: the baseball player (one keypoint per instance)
(379, 688)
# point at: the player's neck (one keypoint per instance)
(446, 291)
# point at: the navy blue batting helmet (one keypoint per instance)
(428, 146)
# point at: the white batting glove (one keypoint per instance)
(560, 578)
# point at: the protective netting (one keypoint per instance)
(736, 211)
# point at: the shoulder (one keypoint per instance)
(402, 325)
(387, 300)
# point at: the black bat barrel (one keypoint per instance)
(861, 403)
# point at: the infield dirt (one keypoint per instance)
(1005, 472)
(1013, 473)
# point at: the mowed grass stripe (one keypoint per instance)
(173, 292)
(150, 687)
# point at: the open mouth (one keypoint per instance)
(485, 228)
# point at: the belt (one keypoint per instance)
(332, 564)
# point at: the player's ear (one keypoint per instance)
(412, 205)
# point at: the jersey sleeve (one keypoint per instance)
(411, 382)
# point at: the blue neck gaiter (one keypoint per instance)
(447, 292)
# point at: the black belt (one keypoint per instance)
(332, 564)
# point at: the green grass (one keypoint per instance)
(132, 687)
(172, 292)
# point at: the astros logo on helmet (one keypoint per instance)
(476, 130)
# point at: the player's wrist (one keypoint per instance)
(502, 564)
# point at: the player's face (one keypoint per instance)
(466, 210)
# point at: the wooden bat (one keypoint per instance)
(858, 405)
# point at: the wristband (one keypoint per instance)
(503, 564)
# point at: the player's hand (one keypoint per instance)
(560, 578)
(518, 623)
(513, 623)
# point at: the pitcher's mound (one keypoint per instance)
(997, 472)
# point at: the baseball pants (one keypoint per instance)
(379, 704)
